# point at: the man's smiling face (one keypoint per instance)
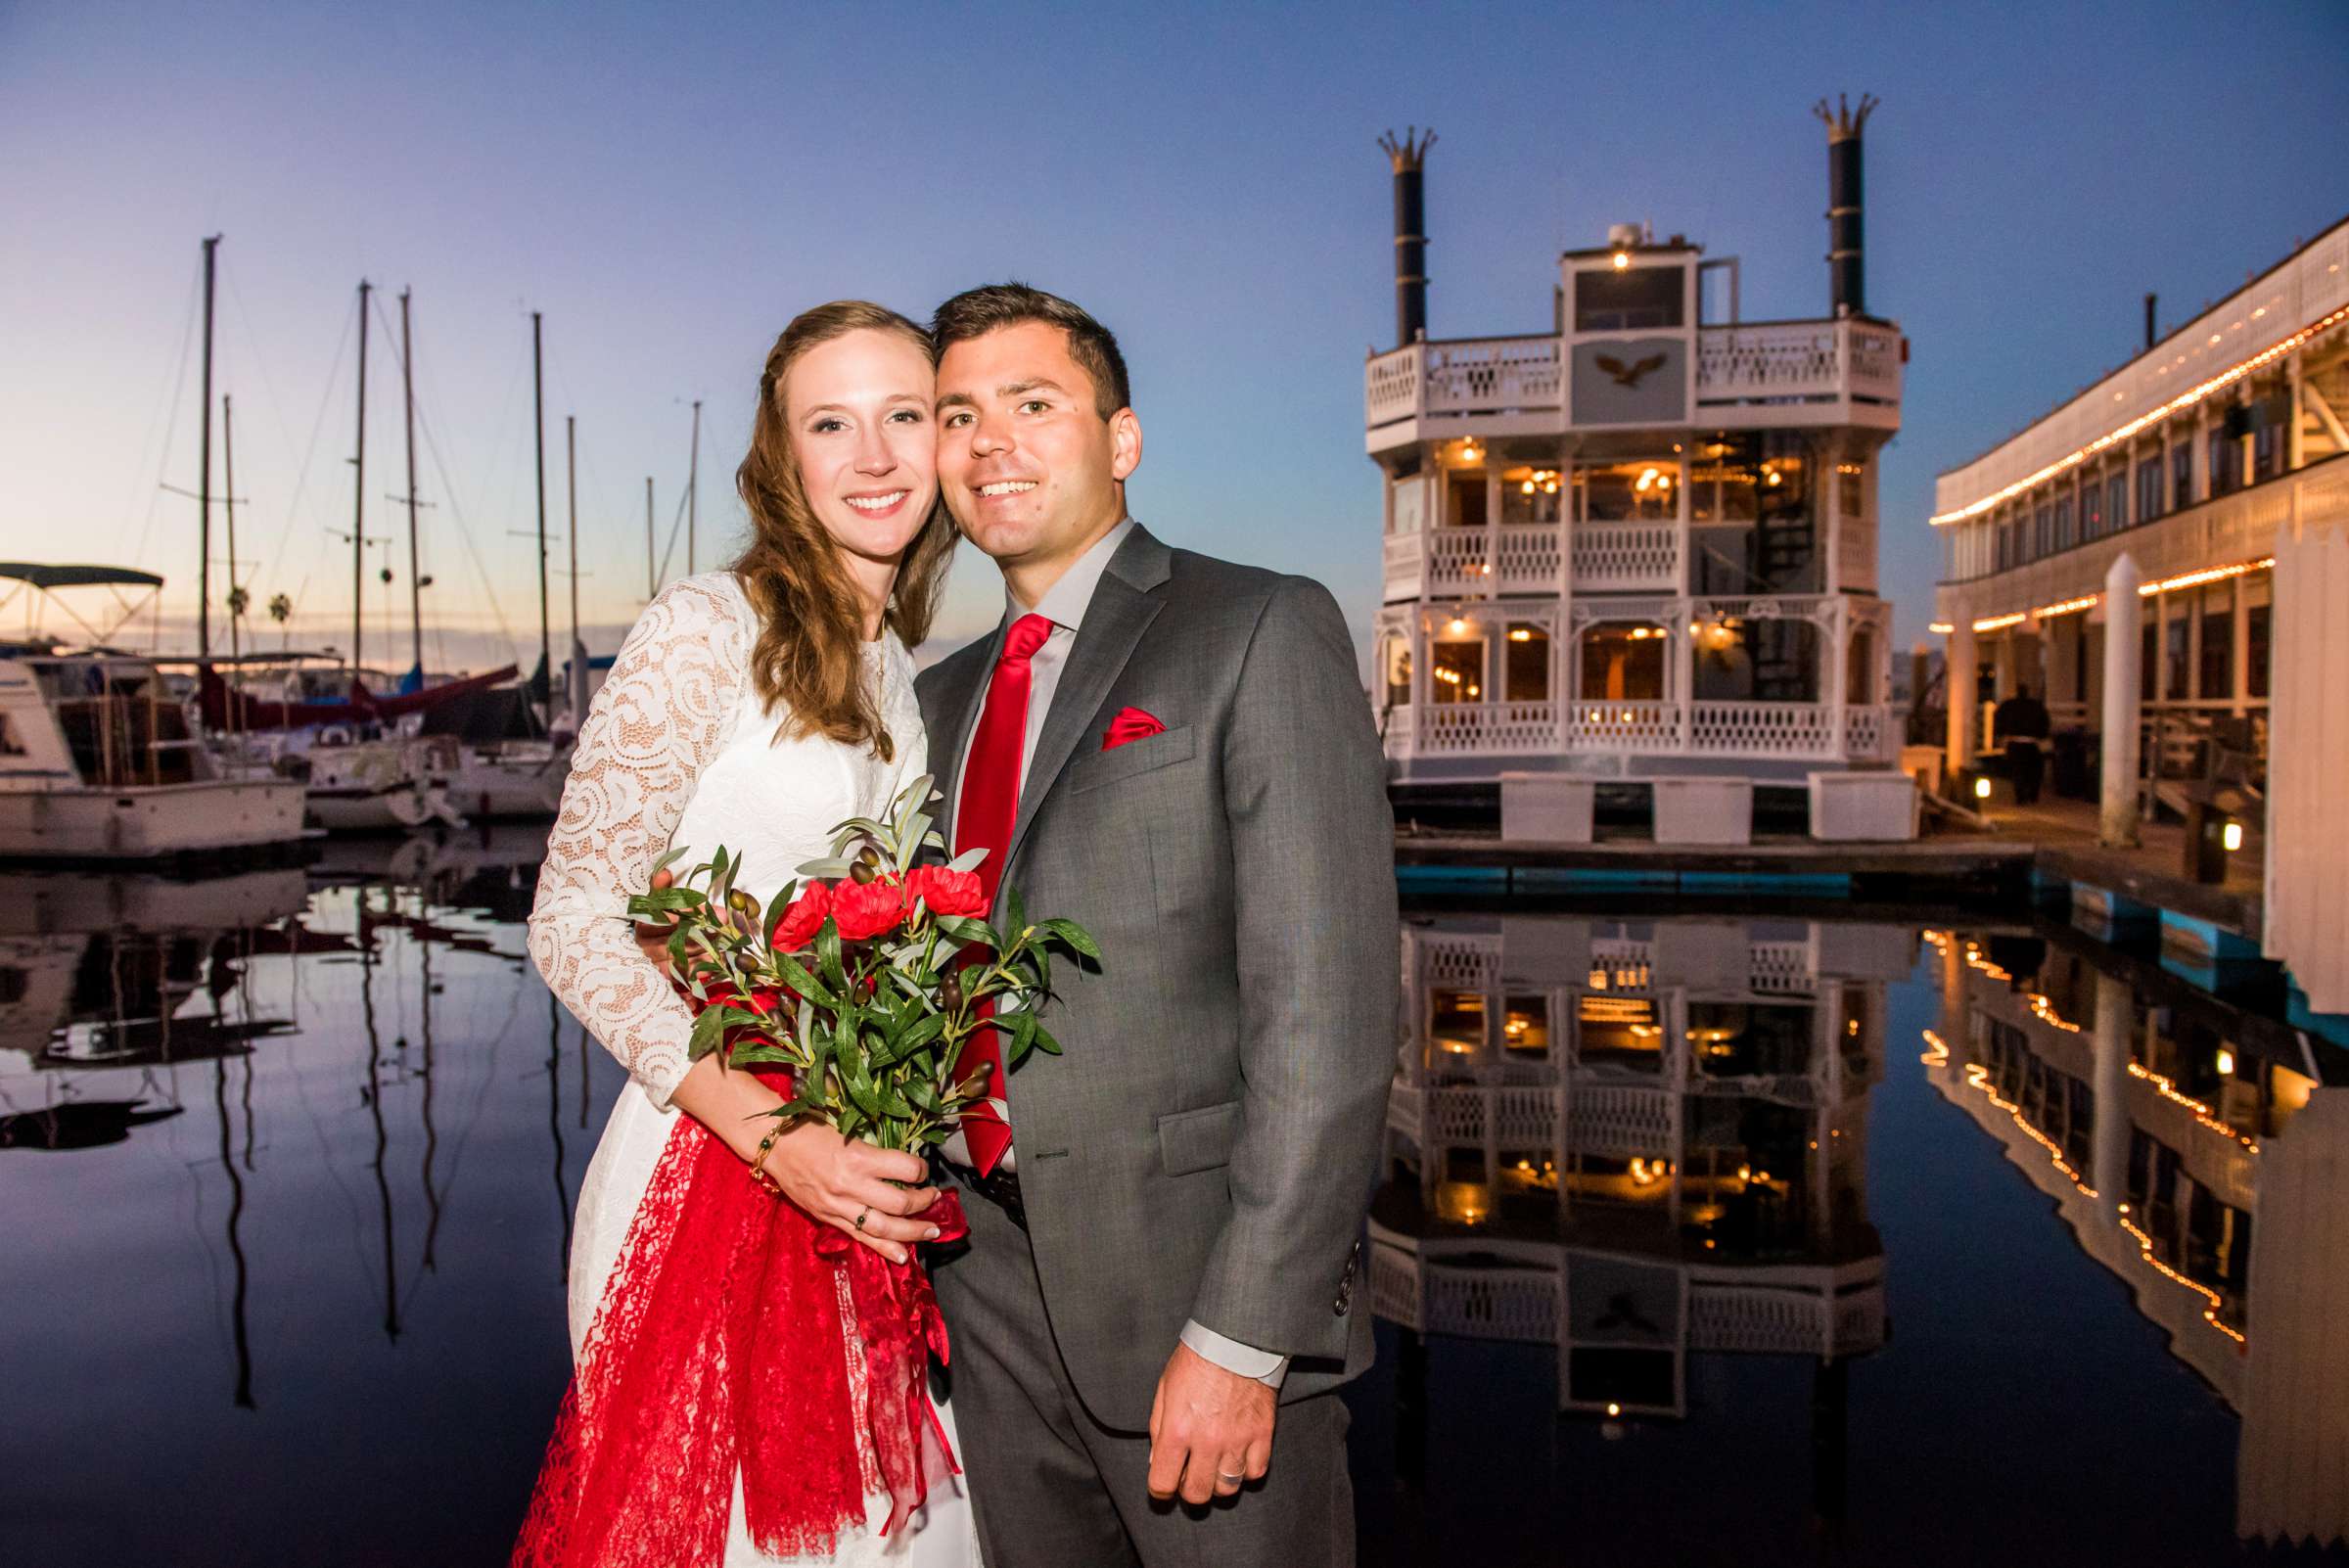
(1028, 464)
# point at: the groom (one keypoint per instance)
(1161, 1298)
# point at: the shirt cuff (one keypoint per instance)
(1244, 1360)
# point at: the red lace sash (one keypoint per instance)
(717, 1348)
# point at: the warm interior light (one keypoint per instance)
(1940, 628)
(1982, 789)
(1456, 626)
(1614, 1408)
(2226, 1064)
(1520, 635)
(1622, 260)
(2232, 836)
(1527, 488)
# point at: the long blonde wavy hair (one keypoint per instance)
(807, 658)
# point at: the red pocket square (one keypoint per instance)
(1130, 724)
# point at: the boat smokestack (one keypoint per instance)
(1847, 270)
(1409, 157)
(2150, 337)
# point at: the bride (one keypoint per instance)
(723, 1408)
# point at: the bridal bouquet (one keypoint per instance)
(866, 980)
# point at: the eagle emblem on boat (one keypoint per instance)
(1629, 375)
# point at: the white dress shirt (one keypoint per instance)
(1063, 605)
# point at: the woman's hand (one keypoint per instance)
(833, 1179)
(838, 1181)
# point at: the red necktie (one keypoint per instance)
(984, 818)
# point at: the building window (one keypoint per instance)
(2116, 503)
(2063, 523)
(2178, 672)
(1860, 669)
(1525, 664)
(1399, 671)
(2225, 462)
(2218, 647)
(2149, 661)
(1851, 488)
(1641, 490)
(1409, 503)
(1724, 483)
(1630, 299)
(1525, 1026)
(1623, 662)
(2148, 489)
(2042, 531)
(1529, 495)
(1739, 659)
(1455, 1024)
(1457, 672)
(1465, 498)
(1753, 497)
(2255, 651)
(2268, 439)
(2092, 510)
(2181, 477)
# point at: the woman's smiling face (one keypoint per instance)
(857, 408)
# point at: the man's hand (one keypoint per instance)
(1210, 1430)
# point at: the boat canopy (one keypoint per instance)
(77, 577)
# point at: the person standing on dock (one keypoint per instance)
(2021, 721)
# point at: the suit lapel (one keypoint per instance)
(962, 686)
(1122, 607)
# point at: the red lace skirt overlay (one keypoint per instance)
(718, 1349)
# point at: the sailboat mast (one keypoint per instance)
(577, 682)
(546, 664)
(652, 573)
(228, 507)
(408, 387)
(693, 488)
(358, 501)
(203, 482)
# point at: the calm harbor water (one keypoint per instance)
(1737, 1237)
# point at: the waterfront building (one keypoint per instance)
(1641, 543)
(2195, 499)
(1636, 1141)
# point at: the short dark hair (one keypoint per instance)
(976, 312)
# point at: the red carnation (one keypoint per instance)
(804, 918)
(948, 891)
(868, 909)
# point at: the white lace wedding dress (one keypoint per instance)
(679, 749)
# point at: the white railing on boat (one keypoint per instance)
(1762, 368)
(1746, 730)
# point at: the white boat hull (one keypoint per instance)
(148, 823)
(508, 787)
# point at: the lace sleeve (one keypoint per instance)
(657, 720)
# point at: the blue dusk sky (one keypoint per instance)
(670, 184)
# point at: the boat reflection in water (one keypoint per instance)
(1635, 1142)
(1643, 1147)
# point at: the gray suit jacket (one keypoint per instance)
(1206, 1146)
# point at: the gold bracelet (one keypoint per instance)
(761, 1176)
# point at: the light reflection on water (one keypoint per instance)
(1732, 1238)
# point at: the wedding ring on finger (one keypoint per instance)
(860, 1213)
(1227, 1479)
